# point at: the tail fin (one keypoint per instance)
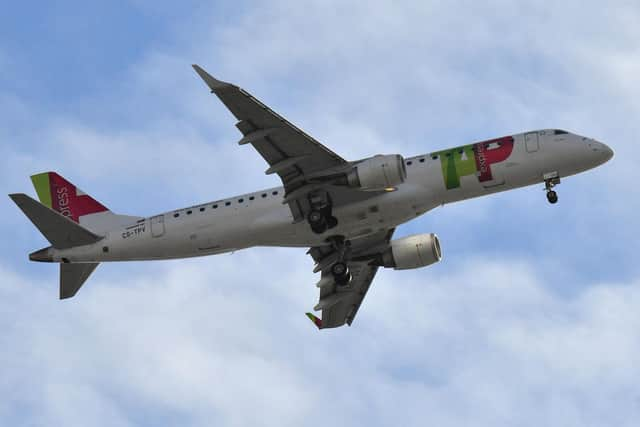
(73, 276)
(61, 232)
(58, 194)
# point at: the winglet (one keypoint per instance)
(211, 81)
(315, 320)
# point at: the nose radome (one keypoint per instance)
(607, 151)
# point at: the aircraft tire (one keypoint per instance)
(341, 273)
(317, 221)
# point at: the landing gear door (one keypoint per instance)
(531, 142)
(157, 226)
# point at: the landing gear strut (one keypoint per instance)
(550, 181)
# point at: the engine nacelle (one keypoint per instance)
(419, 250)
(378, 172)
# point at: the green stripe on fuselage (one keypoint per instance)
(454, 165)
(43, 188)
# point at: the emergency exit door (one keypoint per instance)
(157, 226)
(531, 142)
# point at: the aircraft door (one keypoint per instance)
(531, 142)
(157, 226)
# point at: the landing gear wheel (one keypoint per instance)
(339, 269)
(552, 197)
(341, 274)
(317, 221)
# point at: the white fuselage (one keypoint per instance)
(261, 219)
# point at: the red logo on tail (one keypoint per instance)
(66, 200)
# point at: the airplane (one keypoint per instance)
(345, 212)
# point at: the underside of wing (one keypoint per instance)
(339, 305)
(338, 302)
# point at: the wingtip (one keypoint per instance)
(315, 320)
(15, 196)
(211, 81)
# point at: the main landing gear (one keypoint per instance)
(341, 273)
(340, 269)
(320, 218)
(550, 181)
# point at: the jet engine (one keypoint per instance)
(378, 172)
(419, 250)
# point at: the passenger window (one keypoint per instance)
(215, 206)
(188, 212)
(201, 209)
(251, 198)
(275, 193)
(409, 163)
(176, 215)
(434, 157)
(227, 203)
(264, 195)
(240, 200)
(421, 160)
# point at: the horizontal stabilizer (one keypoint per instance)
(73, 276)
(61, 232)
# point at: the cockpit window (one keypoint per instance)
(560, 132)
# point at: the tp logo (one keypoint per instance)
(475, 159)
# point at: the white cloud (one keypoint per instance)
(485, 342)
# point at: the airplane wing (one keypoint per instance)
(340, 304)
(295, 156)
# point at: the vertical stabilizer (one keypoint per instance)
(60, 195)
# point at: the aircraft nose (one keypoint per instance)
(607, 152)
(602, 153)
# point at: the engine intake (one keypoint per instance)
(419, 250)
(378, 172)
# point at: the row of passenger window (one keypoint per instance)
(436, 156)
(410, 162)
(226, 203)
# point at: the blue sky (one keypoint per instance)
(531, 318)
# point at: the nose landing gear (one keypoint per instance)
(550, 181)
